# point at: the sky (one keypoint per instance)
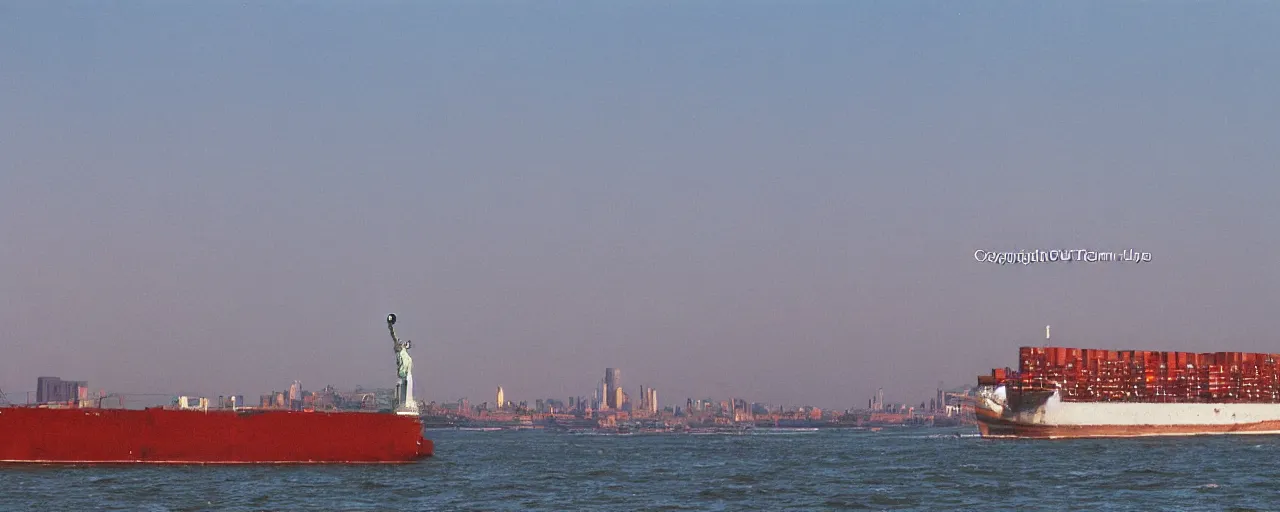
(775, 201)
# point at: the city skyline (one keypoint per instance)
(55, 389)
(777, 202)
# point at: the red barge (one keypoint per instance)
(92, 435)
(45, 434)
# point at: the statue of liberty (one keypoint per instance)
(405, 404)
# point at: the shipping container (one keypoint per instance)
(1168, 376)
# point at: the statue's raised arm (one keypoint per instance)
(397, 344)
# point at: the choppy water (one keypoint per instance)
(826, 470)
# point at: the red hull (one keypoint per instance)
(29, 434)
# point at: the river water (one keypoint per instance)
(895, 469)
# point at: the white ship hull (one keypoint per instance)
(1046, 415)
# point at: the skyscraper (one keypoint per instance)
(612, 383)
(295, 395)
(501, 399)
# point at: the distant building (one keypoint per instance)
(501, 399)
(612, 382)
(295, 395)
(877, 400)
(648, 399)
(56, 390)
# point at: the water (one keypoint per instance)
(825, 470)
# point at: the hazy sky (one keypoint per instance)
(777, 201)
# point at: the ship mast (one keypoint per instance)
(405, 404)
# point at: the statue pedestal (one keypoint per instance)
(404, 396)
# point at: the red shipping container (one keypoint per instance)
(1155, 376)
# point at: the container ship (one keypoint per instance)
(189, 434)
(1060, 392)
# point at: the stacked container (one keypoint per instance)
(1147, 376)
